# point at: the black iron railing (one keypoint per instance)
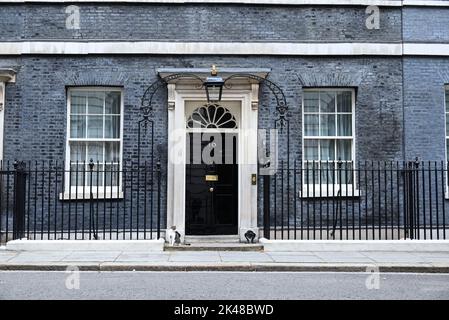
(49, 200)
(356, 201)
(327, 200)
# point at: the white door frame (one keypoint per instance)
(247, 144)
(6, 75)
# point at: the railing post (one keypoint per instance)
(408, 200)
(338, 209)
(411, 198)
(266, 207)
(91, 202)
(19, 200)
(158, 170)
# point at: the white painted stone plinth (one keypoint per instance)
(86, 245)
(355, 245)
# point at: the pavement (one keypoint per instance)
(356, 261)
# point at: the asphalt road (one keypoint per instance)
(221, 285)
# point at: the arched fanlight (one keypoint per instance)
(211, 116)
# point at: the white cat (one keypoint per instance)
(174, 237)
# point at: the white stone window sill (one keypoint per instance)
(85, 196)
(326, 191)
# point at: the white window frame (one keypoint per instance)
(323, 190)
(100, 192)
(446, 114)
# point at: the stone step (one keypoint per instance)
(212, 239)
(215, 246)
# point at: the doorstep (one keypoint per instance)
(215, 246)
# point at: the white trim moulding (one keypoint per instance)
(383, 3)
(203, 48)
(224, 48)
(426, 49)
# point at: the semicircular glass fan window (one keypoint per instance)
(212, 116)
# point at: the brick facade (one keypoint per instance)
(399, 112)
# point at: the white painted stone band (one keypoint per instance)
(386, 3)
(224, 48)
(220, 48)
(426, 49)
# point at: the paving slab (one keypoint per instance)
(95, 256)
(332, 256)
(432, 256)
(196, 256)
(245, 257)
(7, 255)
(290, 253)
(296, 258)
(393, 257)
(142, 257)
(36, 256)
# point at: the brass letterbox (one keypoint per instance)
(211, 177)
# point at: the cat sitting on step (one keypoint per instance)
(174, 237)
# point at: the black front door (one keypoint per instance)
(211, 184)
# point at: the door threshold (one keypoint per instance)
(212, 239)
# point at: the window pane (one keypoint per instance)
(95, 102)
(95, 151)
(77, 175)
(344, 150)
(77, 151)
(447, 100)
(112, 103)
(77, 126)
(112, 151)
(312, 175)
(97, 175)
(78, 102)
(344, 103)
(447, 125)
(112, 127)
(311, 125)
(311, 101)
(95, 126)
(345, 174)
(344, 124)
(327, 150)
(112, 175)
(311, 150)
(327, 174)
(327, 125)
(447, 149)
(327, 100)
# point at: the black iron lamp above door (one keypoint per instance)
(214, 86)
